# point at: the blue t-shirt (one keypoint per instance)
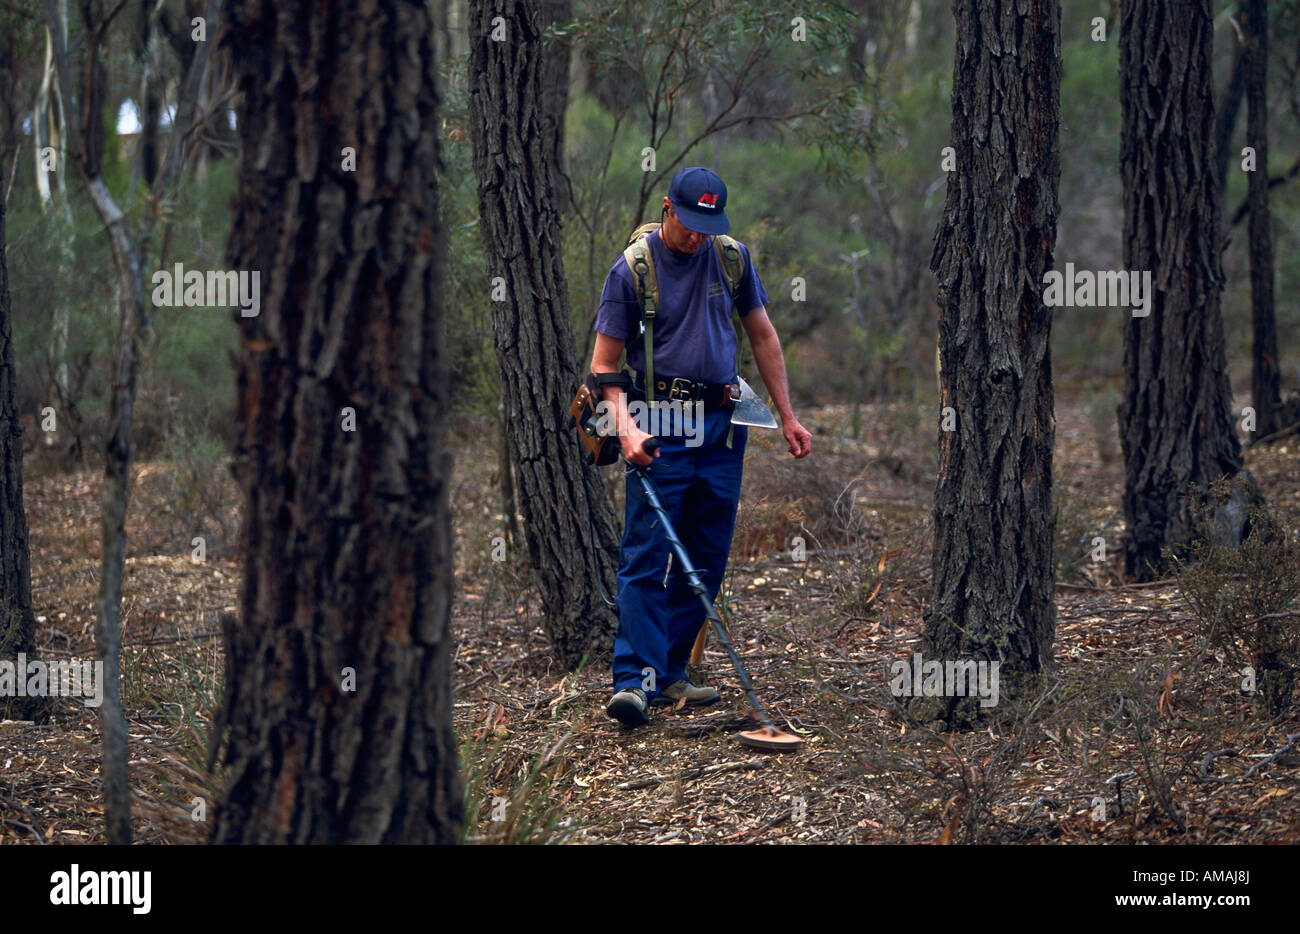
(692, 326)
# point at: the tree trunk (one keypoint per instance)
(48, 129)
(555, 97)
(86, 146)
(338, 708)
(1176, 420)
(17, 623)
(1227, 120)
(1266, 379)
(993, 537)
(149, 104)
(568, 526)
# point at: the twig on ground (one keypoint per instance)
(744, 765)
(1290, 742)
(1203, 771)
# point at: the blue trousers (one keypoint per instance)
(699, 487)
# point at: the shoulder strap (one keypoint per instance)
(733, 269)
(733, 262)
(638, 258)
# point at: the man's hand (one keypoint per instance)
(604, 359)
(771, 366)
(631, 441)
(799, 437)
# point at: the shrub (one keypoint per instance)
(1244, 596)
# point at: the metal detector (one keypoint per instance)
(768, 736)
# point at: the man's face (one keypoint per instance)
(675, 234)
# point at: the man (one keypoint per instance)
(698, 480)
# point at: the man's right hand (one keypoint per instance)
(631, 443)
(604, 359)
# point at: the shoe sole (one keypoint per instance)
(627, 713)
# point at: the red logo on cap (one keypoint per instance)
(707, 201)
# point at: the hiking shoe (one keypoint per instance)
(629, 707)
(695, 696)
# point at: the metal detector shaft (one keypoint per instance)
(697, 584)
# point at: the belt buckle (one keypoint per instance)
(682, 392)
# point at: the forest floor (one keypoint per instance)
(1142, 732)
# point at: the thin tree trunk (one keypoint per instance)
(41, 122)
(132, 321)
(338, 707)
(1266, 379)
(149, 103)
(993, 538)
(1227, 120)
(568, 526)
(1176, 419)
(47, 123)
(17, 622)
(85, 144)
(855, 56)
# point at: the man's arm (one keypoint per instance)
(771, 366)
(604, 359)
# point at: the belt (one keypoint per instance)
(714, 395)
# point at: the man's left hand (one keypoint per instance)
(799, 437)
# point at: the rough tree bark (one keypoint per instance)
(555, 97)
(993, 538)
(1266, 376)
(17, 623)
(1176, 420)
(568, 524)
(338, 692)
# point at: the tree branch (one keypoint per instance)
(187, 106)
(1243, 209)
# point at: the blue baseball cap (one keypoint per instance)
(699, 196)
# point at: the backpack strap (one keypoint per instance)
(638, 258)
(733, 270)
(733, 262)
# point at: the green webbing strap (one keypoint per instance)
(733, 268)
(650, 357)
(642, 264)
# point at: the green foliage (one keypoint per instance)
(116, 170)
(183, 682)
(1102, 405)
(199, 490)
(56, 266)
(1244, 597)
(1074, 529)
(186, 374)
(470, 341)
(531, 813)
